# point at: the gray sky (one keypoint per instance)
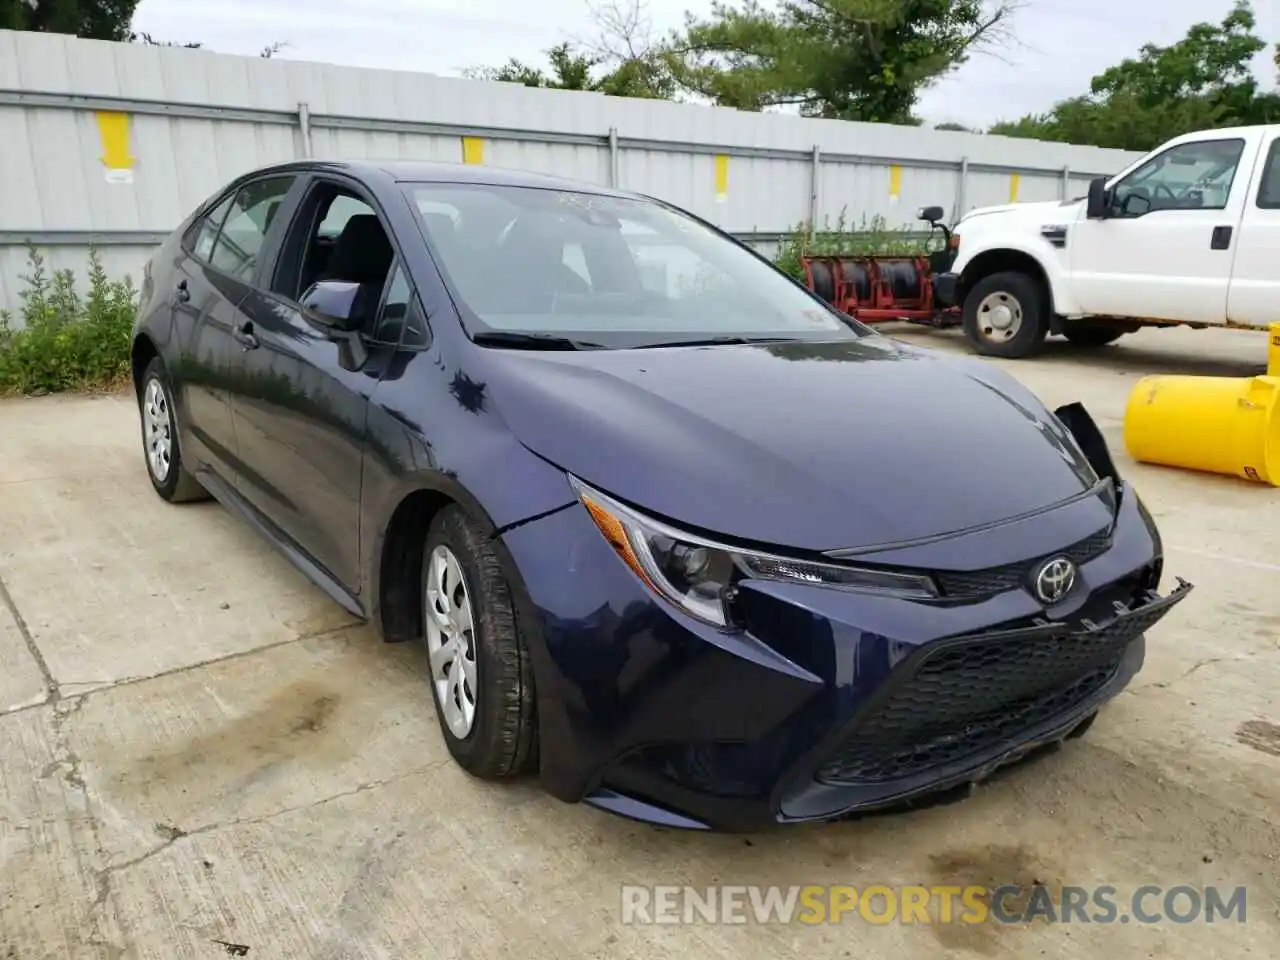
(1059, 44)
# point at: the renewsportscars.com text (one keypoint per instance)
(884, 904)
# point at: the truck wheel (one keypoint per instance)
(1090, 333)
(1005, 315)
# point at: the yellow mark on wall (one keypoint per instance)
(113, 134)
(1014, 181)
(895, 181)
(722, 176)
(473, 150)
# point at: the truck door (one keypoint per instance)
(1164, 251)
(1254, 299)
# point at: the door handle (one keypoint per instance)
(180, 293)
(243, 335)
(1221, 238)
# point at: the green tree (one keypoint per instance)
(1204, 81)
(95, 19)
(568, 71)
(844, 59)
(572, 69)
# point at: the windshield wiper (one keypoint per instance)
(715, 341)
(531, 341)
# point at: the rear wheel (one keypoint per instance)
(1091, 333)
(481, 676)
(1005, 315)
(169, 476)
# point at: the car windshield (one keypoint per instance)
(532, 264)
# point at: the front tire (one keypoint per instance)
(1006, 315)
(481, 675)
(160, 449)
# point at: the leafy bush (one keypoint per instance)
(67, 341)
(873, 237)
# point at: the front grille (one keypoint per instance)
(974, 584)
(973, 695)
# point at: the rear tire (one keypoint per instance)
(1090, 333)
(160, 447)
(1006, 315)
(487, 712)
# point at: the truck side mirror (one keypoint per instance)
(1099, 200)
(931, 214)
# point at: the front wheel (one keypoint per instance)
(481, 675)
(1005, 315)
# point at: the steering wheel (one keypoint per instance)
(1157, 187)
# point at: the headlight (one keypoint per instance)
(699, 575)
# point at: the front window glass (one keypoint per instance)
(1190, 176)
(613, 271)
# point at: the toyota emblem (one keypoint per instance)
(1055, 580)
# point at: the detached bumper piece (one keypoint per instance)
(972, 697)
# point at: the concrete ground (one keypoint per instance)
(202, 756)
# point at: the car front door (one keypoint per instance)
(1255, 280)
(301, 409)
(1165, 249)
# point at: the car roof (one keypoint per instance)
(428, 171)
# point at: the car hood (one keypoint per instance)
(813, 446)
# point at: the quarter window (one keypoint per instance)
(242, 236)
(394, 308)
(400, 321)
(206, 230)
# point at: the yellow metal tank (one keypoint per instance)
(1227, 425)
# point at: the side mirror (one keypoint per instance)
(931, 214)
(332, 303)
(1099, 199)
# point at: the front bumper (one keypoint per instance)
(830, 702)
(945, 289)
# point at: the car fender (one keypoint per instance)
(459, 457)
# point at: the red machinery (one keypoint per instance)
(877, 289)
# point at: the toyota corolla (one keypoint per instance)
(675, 536)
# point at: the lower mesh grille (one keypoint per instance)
(970, 696)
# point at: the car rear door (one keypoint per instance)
(214, 279)
(1254, 300)
(301, 408)
(203, 306)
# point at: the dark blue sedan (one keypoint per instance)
(676, 536)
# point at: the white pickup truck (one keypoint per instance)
(1188, 235)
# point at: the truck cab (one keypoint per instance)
(1187, 235)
